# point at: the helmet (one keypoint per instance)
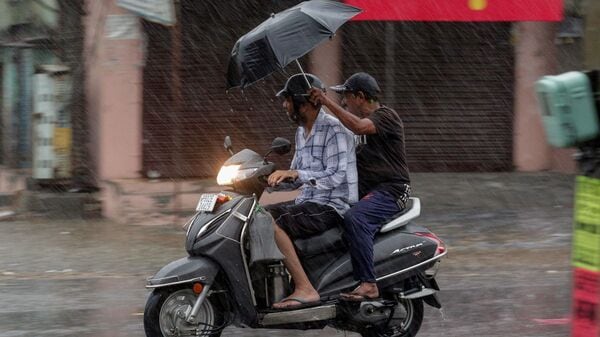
(297, 87)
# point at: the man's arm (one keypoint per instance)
(282, 180)
(360, 126)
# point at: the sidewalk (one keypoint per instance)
(143, 202)
(511, 190)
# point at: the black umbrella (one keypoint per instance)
(283, 38)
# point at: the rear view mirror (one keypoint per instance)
(281, 146)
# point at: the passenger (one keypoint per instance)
(383, 174)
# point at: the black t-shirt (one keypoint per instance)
(381, 157)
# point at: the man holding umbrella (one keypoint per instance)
(324, 166)
(383, 174)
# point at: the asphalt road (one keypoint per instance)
(507, 274)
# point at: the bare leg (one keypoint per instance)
(303, 288)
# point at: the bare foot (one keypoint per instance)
(365, 291)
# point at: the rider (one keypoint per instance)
(383, 174)
(324, 165)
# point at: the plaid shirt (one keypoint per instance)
(326, 164)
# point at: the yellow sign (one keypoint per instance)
(586, 238)
(62, 152)
(478, 5)
(62, 139)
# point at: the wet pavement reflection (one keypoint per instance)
(507, 274)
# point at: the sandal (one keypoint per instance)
(302, 304)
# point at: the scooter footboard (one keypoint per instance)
(185, 270)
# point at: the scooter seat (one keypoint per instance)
(331, 240)
(412, 211)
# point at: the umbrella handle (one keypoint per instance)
(303, 74)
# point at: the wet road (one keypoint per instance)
(507, 274)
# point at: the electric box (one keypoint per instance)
(51, 123)
(568, 108)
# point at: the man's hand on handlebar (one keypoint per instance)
(280, 175)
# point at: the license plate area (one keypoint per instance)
(207, 202)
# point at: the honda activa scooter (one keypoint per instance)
(225, 282)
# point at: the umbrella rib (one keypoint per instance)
(303, 73)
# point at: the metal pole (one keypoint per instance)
(304, 74)
(191, 317)
(176, 92)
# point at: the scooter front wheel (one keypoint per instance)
(407, 319)
(165, 315)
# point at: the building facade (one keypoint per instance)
(155, 103)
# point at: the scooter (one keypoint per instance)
(221, 284)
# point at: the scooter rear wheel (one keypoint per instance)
(406, 322)
(164, 315)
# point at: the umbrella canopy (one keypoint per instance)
(283, 38)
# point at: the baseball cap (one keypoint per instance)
(359, 82)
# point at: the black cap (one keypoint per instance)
(296, 85)
(359, 82)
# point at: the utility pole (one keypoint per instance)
(176, 89)
(70, 42)
(177, 97)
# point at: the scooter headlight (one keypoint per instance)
(245, 174)
(232, 173)
(227, 174)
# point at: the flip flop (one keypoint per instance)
(303, 304)
(350, 297)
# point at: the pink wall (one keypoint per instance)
(535, 56)
(325, 61)
(114, 93)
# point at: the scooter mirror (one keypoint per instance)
(281, 146)
(228, 145)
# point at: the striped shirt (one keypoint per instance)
(326, 164)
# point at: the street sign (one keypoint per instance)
(459, 10)
(586, 236)
(159, 11)
(586, 258)
(586, 287)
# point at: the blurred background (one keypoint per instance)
(93, 93)
(113, 115)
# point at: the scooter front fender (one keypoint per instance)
(186, 270)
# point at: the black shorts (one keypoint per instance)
(304, 220)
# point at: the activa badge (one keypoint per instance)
(569, 109)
